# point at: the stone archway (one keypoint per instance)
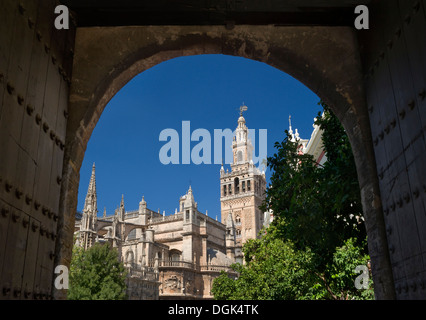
(325, 59)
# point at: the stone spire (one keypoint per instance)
(189, 198)
(90, 212)
(121, 210)
(91, 202)
(294, 136)
(142, 206)
(229, 221)
(230, 236)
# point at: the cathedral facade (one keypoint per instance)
(178, 256)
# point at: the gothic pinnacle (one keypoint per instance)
(90, 203)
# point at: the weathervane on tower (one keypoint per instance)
(242, 109)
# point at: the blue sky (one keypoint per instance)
(206, 90)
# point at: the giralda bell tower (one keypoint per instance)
(242, 190)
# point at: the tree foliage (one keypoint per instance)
(342, 271)
(96, 274)
(273, 270)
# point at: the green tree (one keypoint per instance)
(273, 270)
(223, 287)
(96, 274)
(345, 260)
(340, 185)
(337, 282)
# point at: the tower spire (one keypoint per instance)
(90, 212)
(290, 131)
(229, 221)
(121, 210)
(90, 203)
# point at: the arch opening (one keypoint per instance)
(323, 76)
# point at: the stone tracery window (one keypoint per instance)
(132, 235)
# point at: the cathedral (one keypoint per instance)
(178, 256)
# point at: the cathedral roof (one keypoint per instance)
(218, 258)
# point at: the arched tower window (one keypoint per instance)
(236, 186)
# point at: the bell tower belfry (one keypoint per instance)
(242, 190)
(242, 148)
